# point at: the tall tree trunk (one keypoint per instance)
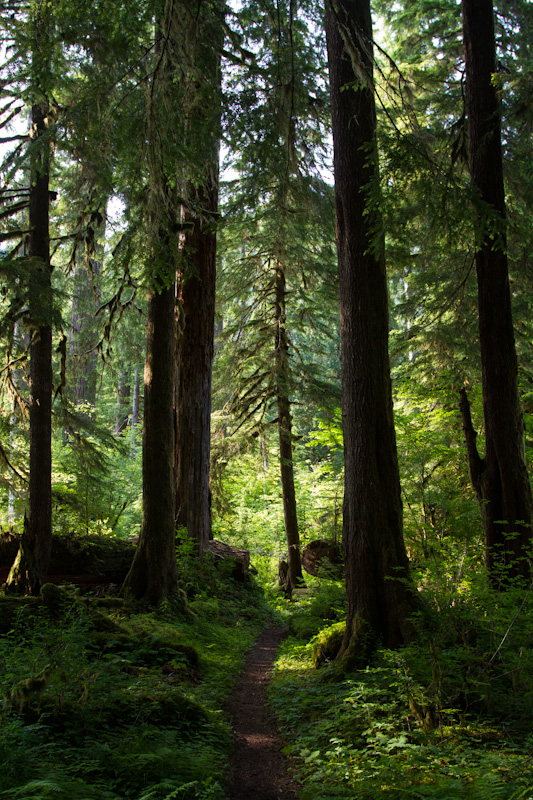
(135, 401)
(500, 478)
(30, 566)
(153, 573)
(196, 296)
(83, 334)
(285, 431)
(380, 596)
(194, 360)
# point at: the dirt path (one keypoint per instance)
(258, 770)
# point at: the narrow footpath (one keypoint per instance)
(259, 770)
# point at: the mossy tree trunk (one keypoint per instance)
(203, 30)
(380, 594)
(153, 573)
(194, 361)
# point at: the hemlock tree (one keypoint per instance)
(282, 382)
(278, 218)
(29, 569)
(500, 478)
(380, 595)
(153, 573)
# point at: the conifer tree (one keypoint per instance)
(380, 595)
(279, 213)
(29, 569)
(203, 35)
(500, 478)
(153, 573)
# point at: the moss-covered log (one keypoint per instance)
(81, 560)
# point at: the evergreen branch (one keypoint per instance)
(7, 235)
(14, 208)
(13, 363)
(11, 466)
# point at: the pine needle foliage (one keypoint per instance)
(278, 215)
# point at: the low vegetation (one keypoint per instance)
(447, 717)
(104, 699)
(107, 700)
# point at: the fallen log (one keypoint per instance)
(81, 560)
(95, 560)
(225, 553)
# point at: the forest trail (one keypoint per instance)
(258, 770)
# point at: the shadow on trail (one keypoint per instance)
(258, 770)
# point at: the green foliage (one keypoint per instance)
(104, 701)
(249, 509)
(320, 603)
(448, 716)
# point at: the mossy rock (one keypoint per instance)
(328, 643)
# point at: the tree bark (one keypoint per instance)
(380, 594)
(502, 478)
(196, 282)
(194, 360)
(281, 351)
(153, 573)
(30, 566)
(83, 334)
(123, 406)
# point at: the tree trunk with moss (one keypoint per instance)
(500, 478)
(153, 573)
(380, 594)
(204, 35)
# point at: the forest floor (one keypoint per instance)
(258, 769)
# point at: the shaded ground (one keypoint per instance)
(259, 770)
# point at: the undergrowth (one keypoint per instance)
(448, 717)
(103, 699)
(106, 700)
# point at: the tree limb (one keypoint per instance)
(475, 462)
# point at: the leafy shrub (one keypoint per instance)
(447, 717)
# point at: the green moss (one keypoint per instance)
(328, 643)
